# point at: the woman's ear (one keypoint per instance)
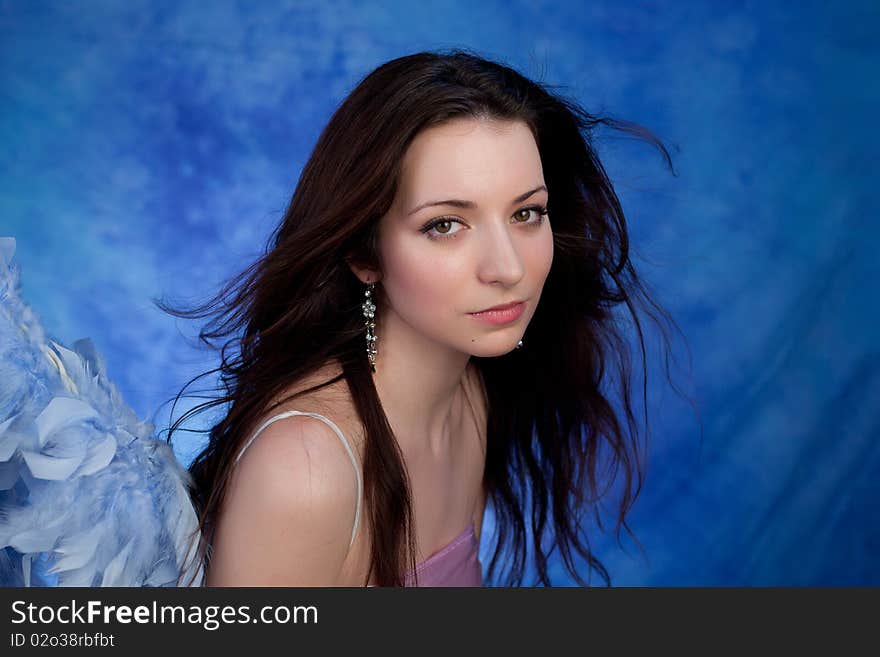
(364, 273)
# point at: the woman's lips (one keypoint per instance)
(503, 316)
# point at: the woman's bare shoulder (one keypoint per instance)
(333, 401)
(289, 510)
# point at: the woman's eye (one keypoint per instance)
(442, 228)
(526, 214)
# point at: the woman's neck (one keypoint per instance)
(420, 385)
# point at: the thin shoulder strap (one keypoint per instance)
(332, 425)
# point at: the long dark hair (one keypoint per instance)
(297, 307)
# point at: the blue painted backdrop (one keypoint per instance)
(148, 149)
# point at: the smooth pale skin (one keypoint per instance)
(288, 515)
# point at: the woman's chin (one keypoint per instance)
(492, 349)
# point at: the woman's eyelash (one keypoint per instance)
(540, 209)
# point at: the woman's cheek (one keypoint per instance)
(420, 278)
(541, 257)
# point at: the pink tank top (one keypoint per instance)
(456, 564)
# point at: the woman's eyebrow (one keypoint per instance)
(470, 204)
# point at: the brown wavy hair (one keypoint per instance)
(551, 423)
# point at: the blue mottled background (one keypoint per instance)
(148, 149)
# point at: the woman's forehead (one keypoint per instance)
(468, 159)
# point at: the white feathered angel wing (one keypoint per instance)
(88, 495)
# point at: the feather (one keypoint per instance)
(89, 496)
(61, 412)
(8, 440)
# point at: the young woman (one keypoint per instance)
(430, 330)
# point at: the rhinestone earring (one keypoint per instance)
(369, 309)
(519, 345)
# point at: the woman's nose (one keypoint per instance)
(500, 261)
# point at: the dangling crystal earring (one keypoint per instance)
(369, 309)
(519, 345)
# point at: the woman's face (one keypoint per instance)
(482, 241)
